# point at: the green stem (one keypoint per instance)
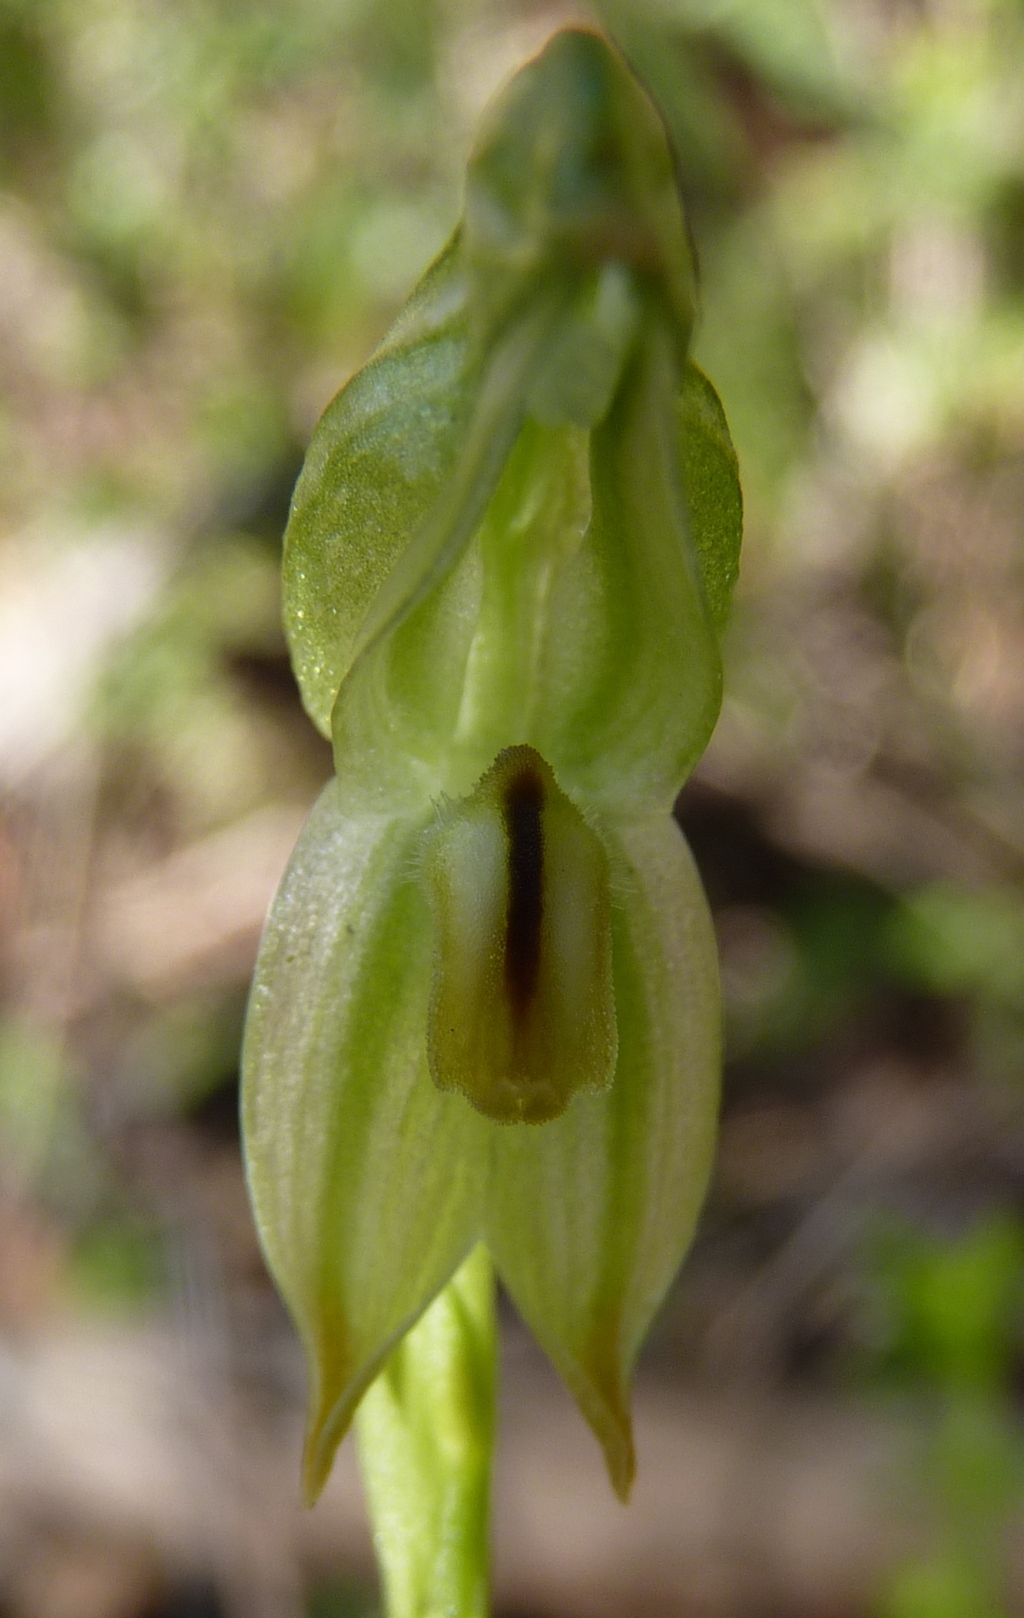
(426, 1438)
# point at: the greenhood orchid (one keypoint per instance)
(486, 1003)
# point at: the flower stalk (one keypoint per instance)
(426, 1437)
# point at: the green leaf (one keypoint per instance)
(426, 1433)
(367, 1182)
(589, 1216)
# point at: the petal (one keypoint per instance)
(523, 1012)
(632, 668)
(589, 1217)
(576, 379)
(498, 411)
(366, 1180)
(379, 456)
(429, 706)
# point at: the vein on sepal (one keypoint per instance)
(588, 1218)
(366, 1181)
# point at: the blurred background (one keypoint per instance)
(209, 212)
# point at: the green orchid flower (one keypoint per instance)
(486, 1003)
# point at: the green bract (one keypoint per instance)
(486, 1003)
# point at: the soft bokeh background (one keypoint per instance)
(209, 211)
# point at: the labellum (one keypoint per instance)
(523, 1009)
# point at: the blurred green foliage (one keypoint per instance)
(964, 941)
(948, 1313)
(947, 1318)
(33, 1091)
(338, 1600)
(118, 1265)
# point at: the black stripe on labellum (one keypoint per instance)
(524, 828)
(522, 1013)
